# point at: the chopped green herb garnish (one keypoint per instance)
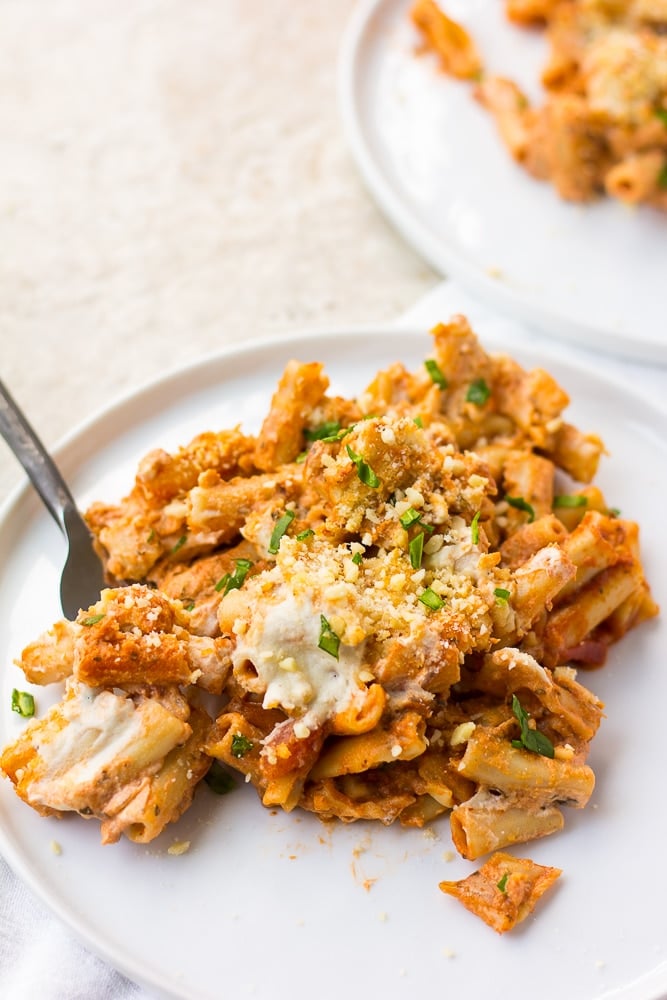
(419, 422)
(190, 606)
(502, 595)
(356, 558)
(411, 516)
(338, 436)
(432, 600)
(151, 537)
(502, 884)
(521, 504)
(23, 703)
(234, 580)
(241, 745)
(416, 550)
(614, 512)
(661, 113)
(282, 524)
(301, 457)
(364, 471)
(433, 368)
(303, 535)
(92, 620)
(662, 177)
(329, 641)
(474, 528)
(327, 430)
(570, 500)
(179, 544)
(531, 739)
(218, 778)
(478, 392)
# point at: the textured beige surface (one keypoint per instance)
(174, 177)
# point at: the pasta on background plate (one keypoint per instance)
(602, 128)
(386, 597)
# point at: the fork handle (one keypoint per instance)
(33, 456)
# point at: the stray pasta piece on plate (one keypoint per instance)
(504, 891)
(602, 128)
(373, 609)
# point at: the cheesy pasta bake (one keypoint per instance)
(374, 609)
(602, 128)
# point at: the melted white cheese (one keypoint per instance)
(293, 673)
(100, 729)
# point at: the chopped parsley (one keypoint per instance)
(433, 368)
(531, 739)
(23, 703)
(234, 580)
(303, 535)
(241, 745)
(282, 524)
(419, 422)
(190, 606)
(570, 500)
(356, 558)
(478, 392)
(474, 528)
(662, 177)
(151, 537)
(338, 435)
(416, 550)
(364, 471)
(432, 600)
(502, 883)
(92, 620)
(218, 778)
(520, 504)
(502, 595)
(412, 516)
(329, 641)
(179, 544)
(301, 457)
(326, 430)
(661, 113)
(614, 512)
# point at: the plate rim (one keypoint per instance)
(443, 259)
(10, 850)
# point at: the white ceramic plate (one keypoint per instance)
(430, 155)
(272, 905)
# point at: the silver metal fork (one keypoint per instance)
(82, 577)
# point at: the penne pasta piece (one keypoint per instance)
(570, 624)
(637, 177)
(488, 822)
(504, 891)
(97, 751)
(452, 43)
(403, 739)
(300, 389)
(492, 761)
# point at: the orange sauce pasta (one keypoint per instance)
(602, 127)
(385, 599)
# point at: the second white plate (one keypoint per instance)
(430, 155)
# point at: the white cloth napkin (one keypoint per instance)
(40, 959)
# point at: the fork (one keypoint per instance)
(82, 577)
